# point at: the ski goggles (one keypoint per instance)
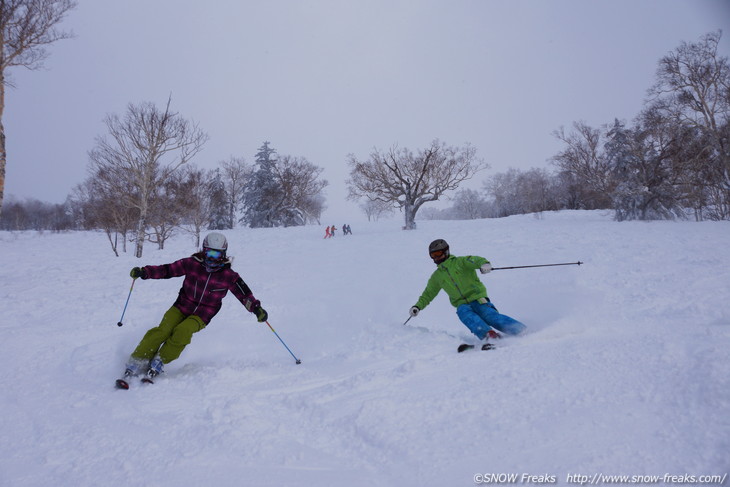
(213, 254)
(437, 254)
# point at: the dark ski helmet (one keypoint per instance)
(439, 250)
(214, 251)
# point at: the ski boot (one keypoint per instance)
(155, 369)
(132, 369)
(491, 334)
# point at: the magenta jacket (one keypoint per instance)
(202, 292)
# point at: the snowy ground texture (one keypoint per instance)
(625, 369)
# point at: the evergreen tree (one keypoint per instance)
(263, 195)
(282, 191)
(618, 148)
(219, 218)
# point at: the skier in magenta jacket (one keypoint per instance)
(208, 278)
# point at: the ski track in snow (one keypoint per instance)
(624, 369)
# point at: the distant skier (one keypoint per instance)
(327, 232)
(332, 230)
(208, 278)
(457, 276)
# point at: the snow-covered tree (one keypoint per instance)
(235, 174)
(262, 192)
(407, 180)
(584, 159)
(693, 90)
(644, 163)
(282, 191)
(302, 188)
(469, 205)
(220, 202)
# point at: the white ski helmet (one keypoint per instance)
(215, 241)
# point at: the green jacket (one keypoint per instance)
(457, 276)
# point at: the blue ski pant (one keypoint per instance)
(482, 317)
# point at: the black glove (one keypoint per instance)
(261, 314)
(138, 272)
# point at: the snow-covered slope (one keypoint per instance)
(624, 370)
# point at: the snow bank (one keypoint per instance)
(624, 370)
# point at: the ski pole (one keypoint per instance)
(409, 319)
(119, 323)
(282, 342)
(541, 265)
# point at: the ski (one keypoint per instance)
(149, 376)
(124, 383)
(126, 380)
(466, 346)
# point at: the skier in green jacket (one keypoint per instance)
(457, 276)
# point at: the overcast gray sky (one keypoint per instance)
(325, 78)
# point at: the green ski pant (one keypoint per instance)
(169, 338)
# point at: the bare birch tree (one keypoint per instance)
(26, 28)
(143, 149)
(196, 198)
(96, 203)
(407, 180)
(235, 174)
(375, 209)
